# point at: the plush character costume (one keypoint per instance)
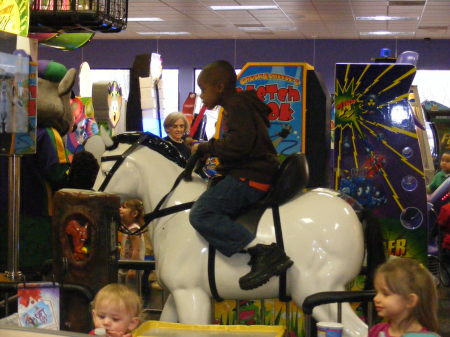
(46, 171)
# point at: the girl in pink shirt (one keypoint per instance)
(406, 298)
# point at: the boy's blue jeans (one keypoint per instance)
(212, 212)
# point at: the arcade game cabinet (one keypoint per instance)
(438, 115)
(300, 104)
(377, 159)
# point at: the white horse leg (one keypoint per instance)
(169, 312)
(193, 306)
(305, 286)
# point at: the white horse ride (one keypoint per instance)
(322, 235)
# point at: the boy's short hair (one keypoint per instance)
(219, 71)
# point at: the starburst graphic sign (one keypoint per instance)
(377, 159)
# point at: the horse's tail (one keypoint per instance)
(374, 242)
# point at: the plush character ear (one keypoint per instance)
(67, 82)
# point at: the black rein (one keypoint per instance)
(157, 212)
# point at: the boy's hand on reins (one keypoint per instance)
(191, 164)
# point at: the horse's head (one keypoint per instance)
(129, 160)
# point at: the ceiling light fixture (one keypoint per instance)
(144, 19)
(241, 8)
(405, 3)
(386, 18)
(163, 33)
(382, 32)
(254, 29)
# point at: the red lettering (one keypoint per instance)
(275, 111)
(261, 92)
(293, 95)
(285, 112)
(272, 89)
(282, 94)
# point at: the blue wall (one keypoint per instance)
(186, 55)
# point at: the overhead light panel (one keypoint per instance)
(405, 3)
(382, 32)
(242, 8)
(144, 19)
(163, 33)
(254, 29)
(386, 18)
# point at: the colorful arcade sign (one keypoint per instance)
(14, 16)
(18, 92)
(282, 87)
(377, 159)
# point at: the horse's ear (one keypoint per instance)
(95, 145)
(106, 137)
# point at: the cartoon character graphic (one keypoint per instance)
(114, 102)
(79, 236)
(84, 127)
(374, 164)
(363, 190)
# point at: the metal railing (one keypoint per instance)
(338, 297)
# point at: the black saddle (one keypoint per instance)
(290, 180)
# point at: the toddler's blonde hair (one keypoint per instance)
(118, 294)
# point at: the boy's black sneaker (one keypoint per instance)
(266, 261)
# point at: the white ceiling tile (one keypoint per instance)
(321, 18)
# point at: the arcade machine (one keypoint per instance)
(438, 115)
(300, 122)
(426, 149)
(377, 158)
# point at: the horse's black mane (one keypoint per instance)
(153, 142)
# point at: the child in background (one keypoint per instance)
(117, 310)
(406, 298)
(132, 246)
(441, 175)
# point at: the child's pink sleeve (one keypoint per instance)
(379, 330)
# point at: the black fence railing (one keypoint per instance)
(107, 16)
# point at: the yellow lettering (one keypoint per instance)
(396, 247)
(400, 247)
(391, 247)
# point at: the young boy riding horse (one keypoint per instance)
(248, 162)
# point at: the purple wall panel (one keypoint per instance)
(189, 54)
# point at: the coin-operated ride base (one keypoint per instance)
(84, 250)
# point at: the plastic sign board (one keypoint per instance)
(282, 87)
(18, 94)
